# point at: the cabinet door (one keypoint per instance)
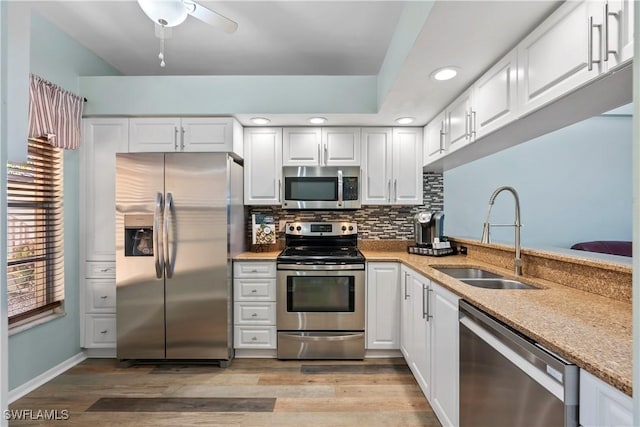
(444, 352)
(434, 139)
(603, 405)
(156, 134)
(341, 147)
(207, 134)
(376, 166)
(618, 32)
(263, 166)
(103, 138)
(407, 166)
(383, 306)
(301, 146)
(421, 322)
(406, 315)
(458, 121)
(556, 58)
(495, 99)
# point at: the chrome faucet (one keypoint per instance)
(516, 225)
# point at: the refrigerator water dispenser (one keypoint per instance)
(138, 235)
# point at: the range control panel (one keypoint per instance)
(321, 228)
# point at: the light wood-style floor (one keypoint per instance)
(251, 392)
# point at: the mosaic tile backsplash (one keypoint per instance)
(374, 222)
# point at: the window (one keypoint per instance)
(35, 257)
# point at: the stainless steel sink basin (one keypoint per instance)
(497, 283)
(467, 273)
(482, 278)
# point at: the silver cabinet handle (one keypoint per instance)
(319, 155)
(157, 246)
(605, 30)
(175, 138)
(254, 338)
(326, 154)
(406, 276)
(104, 332)
(389, 191)
(467, 120)
(340, 189)
(182, 138)
(168, 205)
(395, 190)
(590, 60)
(254, 291)
(104, 297)
(424, 308)
(280, 198)
(429, 290)
(473, 123)
(254, 314)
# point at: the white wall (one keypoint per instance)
(574, 185)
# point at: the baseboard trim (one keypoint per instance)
(100, 353)
(252, 353)
(46, 376)
(373, 354)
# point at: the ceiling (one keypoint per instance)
(297, 37)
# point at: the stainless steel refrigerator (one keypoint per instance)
(179, 222)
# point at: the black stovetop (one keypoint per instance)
(321, 254)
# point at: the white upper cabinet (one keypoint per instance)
(392, 167)
(617, 32)
(495, 99)
(341, 146)
(188, 134)
(376, 165)
(263, 166)
(561, 54)
(407, 166)
(459, 122)
(321, 147)
(435, 138)
(301, 146)
(102, 139)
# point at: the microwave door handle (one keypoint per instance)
(340, 182)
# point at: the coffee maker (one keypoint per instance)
(428, 226)
(429, 235)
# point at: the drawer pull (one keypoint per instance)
(253, 291)
(104, 297)
(255, 270)
(254, 315)
(254, 338)
(105, 270)
(104, 332)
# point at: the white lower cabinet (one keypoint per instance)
(383, 306)
(100, 331)
(429, 341)
(602, 405)
(254, 307)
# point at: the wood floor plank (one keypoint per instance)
(350, 379)
(183, 404)
(354, 369)
(347, 404)
(250, 391)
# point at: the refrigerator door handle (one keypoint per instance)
(157, 243)
(168, 206)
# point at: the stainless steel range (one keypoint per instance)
(320, 292)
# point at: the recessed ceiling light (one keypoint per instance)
(405, 120)
(260, 121)
(445, 73)
(317, 120)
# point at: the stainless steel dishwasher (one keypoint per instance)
(508, 380)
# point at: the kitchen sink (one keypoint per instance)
(497, 283)
(468, 273)
(480, 278)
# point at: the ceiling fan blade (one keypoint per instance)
(210, 17)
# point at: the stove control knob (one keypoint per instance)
(298, 228)
(344, 228)
(351, 228)
(291, 228)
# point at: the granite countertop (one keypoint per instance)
(590, 330)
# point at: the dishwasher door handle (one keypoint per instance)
(536, 374)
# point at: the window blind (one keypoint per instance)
(35, 232)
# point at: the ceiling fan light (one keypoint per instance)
(167, 13)
(260, 120)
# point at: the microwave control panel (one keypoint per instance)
(350, 188)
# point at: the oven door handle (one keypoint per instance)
(345, 337)
(320, 267)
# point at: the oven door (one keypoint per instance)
(320, 297)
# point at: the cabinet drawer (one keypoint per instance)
(100, 330)
(255, 337)
(99, 270)
(254, 289)
(255, 313)
(254, 269)
(100, 296)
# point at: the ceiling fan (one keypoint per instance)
(169, 13)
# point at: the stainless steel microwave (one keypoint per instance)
(327, 187)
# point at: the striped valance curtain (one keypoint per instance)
(55, 115)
